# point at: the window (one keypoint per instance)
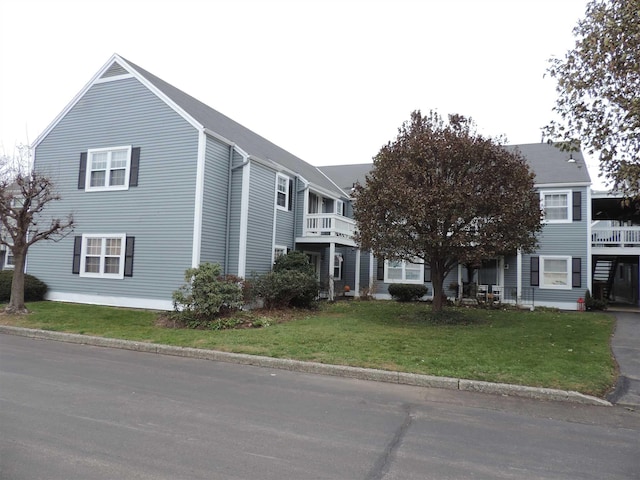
(555, 272)
(556, 206)
(283, 192)
(108, 169)
(340, 207)
(337, 266)
(8, 258)
(279, 251)
(398, 271)
(103, 256)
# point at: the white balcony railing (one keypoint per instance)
(615, 237)
(319, 224)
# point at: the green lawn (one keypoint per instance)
(547, 349)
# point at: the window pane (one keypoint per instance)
(99, 160)
(556, 206)
(113, 246)
(92, 265)
(282, 199)
(119, 158)
(559, 266)
(97, 178)
(412, 274)
(116, 177)
(282, 184)
(555, 272)
(112, 265)
(94, 246)
(556, 200)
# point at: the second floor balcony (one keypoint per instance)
(615, 237)
(327, 227)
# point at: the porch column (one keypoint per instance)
(371, 292)
(519, 277)
(332, 264)
(459, 292)
(356, 283)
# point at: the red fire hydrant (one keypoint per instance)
(581, 304)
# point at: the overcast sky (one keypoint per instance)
(330, 81)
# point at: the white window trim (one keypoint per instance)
(8, 253)
(106, 187)
(101, 274)
(569, 195)
(277, 248)
(286, 192)
(338, 262)
(404, 273)
(567, 259)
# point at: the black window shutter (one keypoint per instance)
(427, 273)
(577, 206)
(535, 271)
(82, 173)
(128, 257)
(576, 272)
(290, 206)
(77, 252)
(135, 167)
(380, 270)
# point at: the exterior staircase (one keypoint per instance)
(604, 271)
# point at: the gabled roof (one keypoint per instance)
(553, 165)
(550, 165)
(346, 176)
(208, 118)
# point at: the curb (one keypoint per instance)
(375, 375)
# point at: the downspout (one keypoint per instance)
(294, 204)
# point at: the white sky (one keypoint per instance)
(330, 81)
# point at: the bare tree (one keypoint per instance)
(24, 196)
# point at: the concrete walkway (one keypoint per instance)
(626, 348)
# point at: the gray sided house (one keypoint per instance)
(159, 182)
(556, 275)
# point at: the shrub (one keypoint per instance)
(404, 292)
(591, 303)
(292, 283)
(206, 295)
(34, 289)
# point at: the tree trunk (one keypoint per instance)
(437, 279)
(16, 302)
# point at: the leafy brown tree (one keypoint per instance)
(598, 89)
(441, 194)
(23, 199)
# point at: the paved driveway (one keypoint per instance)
(626, 348)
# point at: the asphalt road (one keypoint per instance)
(71, 411)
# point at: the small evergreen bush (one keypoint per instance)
(405, 292)
(591, 303)
(206, 295)
(292, 283)
(34, 289)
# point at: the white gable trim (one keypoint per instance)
(124, 76)
(561, 185)
(198, 201)
(244, 218)
(96, 79)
